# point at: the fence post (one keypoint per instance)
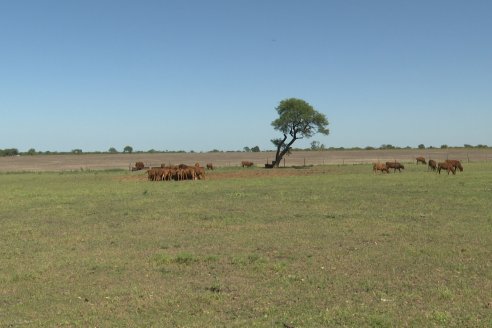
(284, 161)
(304, 161)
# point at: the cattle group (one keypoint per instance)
(385, 167)
(449, 165)
(176, 172)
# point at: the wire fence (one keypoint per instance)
(336, 158)
(234, 159)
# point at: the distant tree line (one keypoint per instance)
(315, 146)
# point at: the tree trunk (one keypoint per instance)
(278, 157)
(281, 154)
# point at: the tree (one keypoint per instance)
(316, 145)
(128, 149)
(112, 150)
(31, 151)
(255, 149)
(421, 146)
(246, 149)
(297, 120)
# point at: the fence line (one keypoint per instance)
(304, 161)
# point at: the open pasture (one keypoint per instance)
(322, 246)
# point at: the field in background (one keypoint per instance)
(322, 246)
(228, 159)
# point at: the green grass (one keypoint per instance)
(337, 247)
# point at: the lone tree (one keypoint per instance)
(128, 149)
(297, 120)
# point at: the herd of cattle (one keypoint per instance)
(450, 165)
(196, 172)
(178, 172)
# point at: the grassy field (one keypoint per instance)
(324, 246)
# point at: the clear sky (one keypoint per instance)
(202, 75)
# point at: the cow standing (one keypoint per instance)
(379, 167)
(247, 164)
(395, 166)
(432, 165)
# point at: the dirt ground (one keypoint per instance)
(39, 163)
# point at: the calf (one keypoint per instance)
(210, 166)
(421, 159)
(395, 166)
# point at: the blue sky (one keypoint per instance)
(202, 75)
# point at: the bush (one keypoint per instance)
(9, 152)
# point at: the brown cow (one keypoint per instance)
(455, 163)
(154, 174)
(379, 167)
(189, 173)
(421, 159)
(432, 165)
(247, 164)
(138, 166)
(395, 166)
(210, 166)
(446, 166)
(200, 172)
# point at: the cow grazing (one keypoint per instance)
(446, 166)
(395, 166)
(432, 165)
(210, 166)
(247, 164)
(421, 159)
(455, 163)
(379, 167)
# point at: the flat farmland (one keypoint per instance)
(230, 159)
(320, 246)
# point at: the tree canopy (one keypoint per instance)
(297, 120)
